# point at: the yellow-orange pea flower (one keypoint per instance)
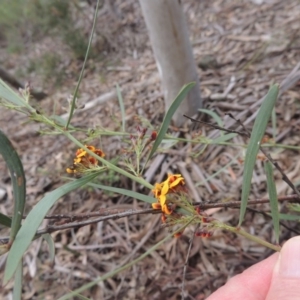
(82, 158)
(166, 187)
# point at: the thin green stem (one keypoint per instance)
(83, 67)
(249, 236)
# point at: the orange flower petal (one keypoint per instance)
(157, 190)
(178, 234)
(92, 148)
(172, 177)
(162, 199)
(166, 210)
(177, 182)
(77, 160)
(99, 153)
(156, 206)
(71, 170)
(165, 188)
(80, 153)
(93, 160)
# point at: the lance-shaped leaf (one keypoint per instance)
(168, 117)
(257, 133)
(273, 198)
(34, 220)
(17, 175)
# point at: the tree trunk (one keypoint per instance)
(173, 53)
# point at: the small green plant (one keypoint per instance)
(169, 197)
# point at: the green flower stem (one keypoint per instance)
(248, 236)
(281, 146)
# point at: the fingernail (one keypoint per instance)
(289, 259)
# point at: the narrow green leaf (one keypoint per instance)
(34, 220)
(288, 217)
(17, 175)
(80, 297)
(295, 207)
(273, 198)
(257, 133)
(122, 107)
(223, 138)
(48, 238)
(125, 192)
(5, 220)
(17, 291)
(274, 127)
(168, 117)
(11, 96)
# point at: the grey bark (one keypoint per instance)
(173, 53)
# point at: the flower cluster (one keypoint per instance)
(83, 160)
(174, 184)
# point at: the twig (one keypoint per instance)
(216, 126)
(289, 198)
(72, 217)
(202, 205)
(131, 212)
(53, 228)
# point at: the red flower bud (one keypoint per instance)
(153, 135)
